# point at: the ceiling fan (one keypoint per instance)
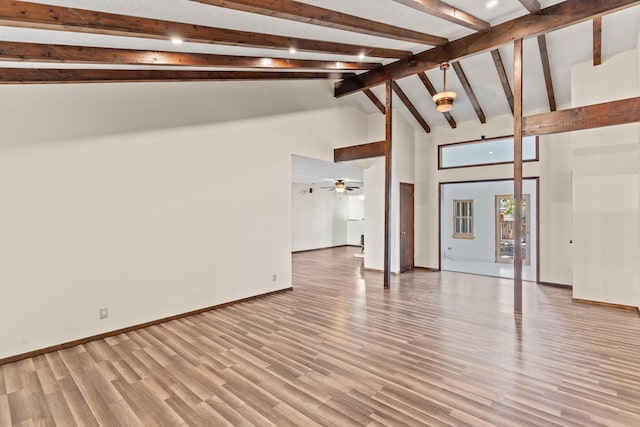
(340, 186)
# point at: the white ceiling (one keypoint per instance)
(305, 170)
(566, 47)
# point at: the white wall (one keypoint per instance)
(374, 214)
(355, 223)
(149, 223)
(356, 207)
(402, 156)
(374, 198)
(319, 218)
(606, 210)
(556, 225)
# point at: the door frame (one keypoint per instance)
(527, 235)
(402, 226)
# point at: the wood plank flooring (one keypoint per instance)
(436, 349)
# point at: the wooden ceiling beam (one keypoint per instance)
(447, 12)
(533, 6)
(597, 41)
(358, 152)
(497, 60)
(412, 109)
(372, 96)
(62, 75)
(588, 117)
(34, 52)
(432, 91)
(566, 13)
(45, 17)
(546, 71)
(457, 67)
(309, 14)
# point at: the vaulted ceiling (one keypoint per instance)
(62, 41)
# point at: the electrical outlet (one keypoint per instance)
(274, 277)
(104, 313)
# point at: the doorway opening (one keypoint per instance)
(504, 214)
(406, 227)
(476, 228)
(324, 214)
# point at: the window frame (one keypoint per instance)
(457, 233)
(480, 141)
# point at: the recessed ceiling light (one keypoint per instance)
(266, 62)
(292, 50)
(176, 40)
(339, 64)
(361, 56)
(492, 3)
(490, 152)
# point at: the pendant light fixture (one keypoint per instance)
(444, 99)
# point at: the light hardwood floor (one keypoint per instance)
(436, 349)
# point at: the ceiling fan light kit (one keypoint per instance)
(444, 100)
(340, 186)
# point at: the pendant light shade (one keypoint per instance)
(444, 99)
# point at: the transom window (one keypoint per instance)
(485, 152)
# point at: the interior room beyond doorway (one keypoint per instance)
(327, 205)
(476, 228)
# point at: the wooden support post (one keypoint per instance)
(387, 185)
(597, 40)
(517, 178)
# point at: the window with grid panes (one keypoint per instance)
(463, 219)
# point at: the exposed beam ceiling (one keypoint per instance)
(51, 75)
(588, 117)
(432, 91)
(372, 96)
(412, 109)
(552, 18)
(309, 14)
(546, 70)
(447, 12)
(504, 80)
(44, 17)
(223, 40)
(457, 67)
(13, 51)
